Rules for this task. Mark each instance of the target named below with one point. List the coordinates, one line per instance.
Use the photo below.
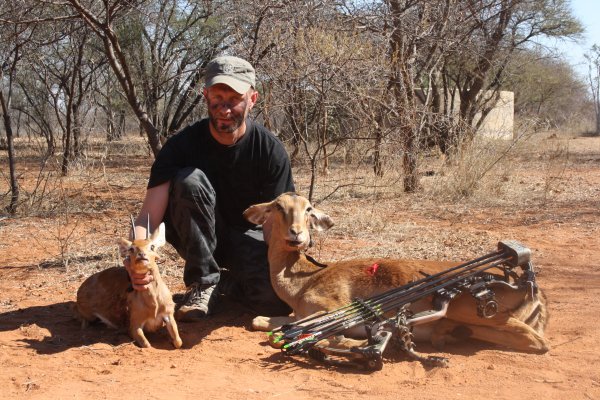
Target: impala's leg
(173, 331)
(340, 342)
(136, 332)
(447, 331)
(266, 324)
(513, 334)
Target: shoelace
(199, 295)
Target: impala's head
(142, 252)
(290, 216)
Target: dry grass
(73, 222)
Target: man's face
(227, 109)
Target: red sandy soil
(45, 355)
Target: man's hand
(139, 282)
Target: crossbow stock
(303, 336)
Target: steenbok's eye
(151, 247)
(309, 209)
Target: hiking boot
(198, 302)
(228, 286)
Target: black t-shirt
(254, 170)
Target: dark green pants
(215, 253)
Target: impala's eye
(152, 247)
(131, 249)
(309, 209)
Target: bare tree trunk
(377, 156)
(14, 184)
(593, 58)
(77, 146)
(120, 125)
(110, 128)
(68, 131)
(110, 123)
(297, 126)
(66, 159)
(120, 67)
(402, 84)
(409, 160)
(295, 149)
(115, 56)
(5, 104)
(266, 109)
(324, 141)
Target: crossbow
(303, 336)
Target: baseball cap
(232, 71)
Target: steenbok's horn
(132, 226)
(148, 227)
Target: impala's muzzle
(294, 243)
(298, 240)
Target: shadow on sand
(52, 328)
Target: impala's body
(308, 288)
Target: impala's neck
(289, 270)
(154, 293)
(151, 268)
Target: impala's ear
(320, 221)
(258, 213)
(158, 236)
(124, 246)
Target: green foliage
(546, 88)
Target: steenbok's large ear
(124, 246)
(320, 221)
(158, 236)
(258, 213)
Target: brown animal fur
(307, 288)
(105, 294)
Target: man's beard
(233, 123)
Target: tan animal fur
(307, 288)
(107, 295)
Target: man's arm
(155, 204)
